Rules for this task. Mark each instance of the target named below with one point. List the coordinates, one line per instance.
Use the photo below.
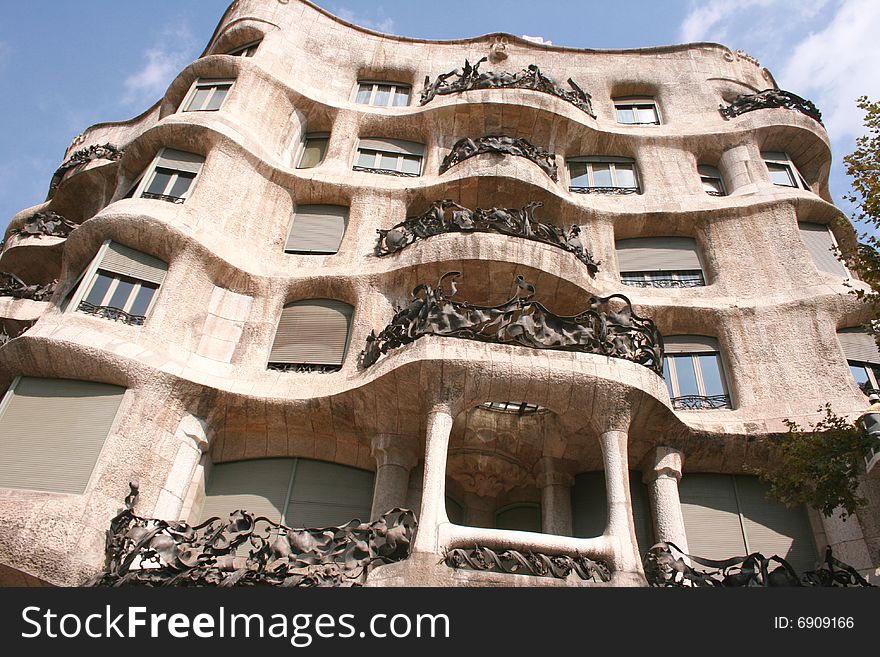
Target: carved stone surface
(768, 99)
(608, 325)
(12, 286)
(665, 566)
(502, 145)
(153, 552)
(93, 152)
(469, 77)
(46, 223)
(449, 217)
(530, 563)
(487, 475)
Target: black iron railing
(386, 172)
(604, 190)
(163, 197)
(700, 402)
(109, 312)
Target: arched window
(170, 177)
(312, 335)
(694, 373)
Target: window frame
(198, 83)
(701, 401)
(302, 209)
(146, 179)
(612, 162)
(247, 50)
(872, 371)
(372, 146)
(782, 160)
(675, 273)
(637, 102)
(707, 172)
(374, 87)
(308, 368)
(305, 145)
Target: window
(520, 408)
(822, 247)
(298, 493)
(120, 284)
(637, 111)
(314, 149)
(713, 185)
(390, 156)
(247, 50)
(524, 517)
(169, 178)
(206, 95)
(603, 175)
(312, 336)
(782, 170)
(732, 516)
(317, 229)
(863, 358)
(383, 94)
(53, 432)
(659, 262)
(694, 373)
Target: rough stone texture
(202, 351)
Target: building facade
(333, 272)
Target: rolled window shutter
(817, 238)
(317, 229)
(657, 254)
(313, 332)
(859, 345)
(53, 431)
(773, 529)
(120, 259)
(180, 160)
(523, 517)
(392, 146)
(258, 487)
(328, 495)
(589, 506)
(711, 516)
(689, 344)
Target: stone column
(620, 518)
(192, 434)
(662, 479)
(555, 485)
(480, 510)
(395, 457)
(433, 510)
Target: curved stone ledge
(35, 258)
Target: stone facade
(199, 393)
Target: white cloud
(384, 25)
(175, 48)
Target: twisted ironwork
(152, 552)
(46, 223)
(664, 282)
(163, 197)
(604, 190)
(466, 148)
(449, 217)
(608, 326)
(469, 77)
(768, 99)
(12, 286)
(6, 336)
(303, 368)
(385, 172)
(700, 402)
(93, 152)
(109, 312)
(528, 563)
(666, 566)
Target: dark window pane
(218, 97)
(578, 172)
(198, 99)
(142, 299)
(780, 175)
(160, 181)
(313, 153)
(181, 185)
(121, 294)
(99, 289)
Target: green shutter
(690, 344)
(317, 229)
(313, 332)
(180, 161)
(711, 516)
(328, 495)
(859, 345)
(258, 487)
(121, 259)
(52, 432)
(657, 254)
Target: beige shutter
(859, 345)
(120, 259)
(522, 517)
(52, 432)
(328, 495)
(773, 529)
(180, 160)
(819, 242)
(711, 516)
(313, 332)
(589, 506)
(392, 146)
(258, 487)
(317, 229)
(689, 344)
(657, 254)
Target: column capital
(552, 472)
(389, 449)
(664, 462)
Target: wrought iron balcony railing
(109, 312)
(385, 172)
(604, 190)
(163, 197)
(700, 402)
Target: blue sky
(67, 65)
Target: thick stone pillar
(395, 457)
(620, 518)
(662, 477)
(192, 434)
(433, 509)
(555, 485)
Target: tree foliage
(819, 466)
